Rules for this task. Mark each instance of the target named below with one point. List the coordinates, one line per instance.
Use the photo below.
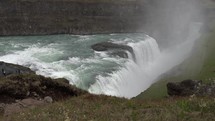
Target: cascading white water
(150, 63)
(132, 79)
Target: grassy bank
(104, 108)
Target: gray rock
(104, 46)
(8, 69)
(190, 87)
(48, 99)
(115, 49)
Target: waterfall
(71, 57)
(134, 77)
(150, 63)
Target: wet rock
(114, 49)
(104, 46)
(8, 69)
(121, 54)
(190, 87)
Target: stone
(184, 88)
(114, 49)
(190, 87)
(48, 99)
(104, 46)
(8, 69)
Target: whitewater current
(71, 57)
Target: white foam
(130, 80)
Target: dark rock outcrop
(30, 85)
(104, 46)
(21, 88)
(114, 49)
(8, 69)
(42, 17)
(190, 87)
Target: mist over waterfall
(177, 30)
(150, 63)
(134, 77)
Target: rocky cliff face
(37, 17)
(164, 20)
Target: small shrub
(185, 105)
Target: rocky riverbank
(26, 90)
(22, 88)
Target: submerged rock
(115, 49)
(104, 46)
(121, 54)
(190, 87)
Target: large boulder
(114, 49)
(190, 87)
(104, 46)
(184, 88)
(8, 69)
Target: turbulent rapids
(70, 57)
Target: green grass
(104, 108)
(208, 71)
